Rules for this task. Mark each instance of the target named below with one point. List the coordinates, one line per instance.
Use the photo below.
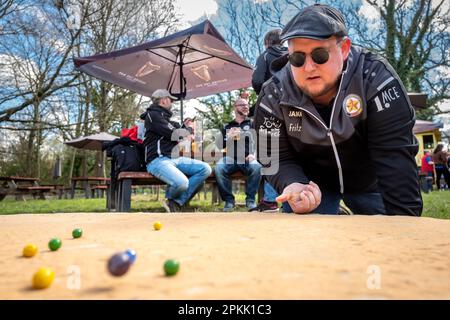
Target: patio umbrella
(92, 142)
(191, 63)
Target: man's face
(165, 102)
(319, 81)
(241, 108)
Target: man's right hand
(232, 132)
(303, 198)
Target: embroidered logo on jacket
(295, 113)
(295, 127)
(270, 123)
(353, 105)
(271, 127)
(388, 96)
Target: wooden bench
(98, 191)
(87, 183)
(119, 195)
(58, 189)
(21, 186)
(35, 191)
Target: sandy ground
(231, 256)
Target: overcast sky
(192, 10)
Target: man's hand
(303, 198)
(233, 132)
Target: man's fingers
(316, 192)
(283, 197)
(300, 204)
(311, 200)
(314, 185)
(305, 197)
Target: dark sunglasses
(319, 56)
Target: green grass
(139, 203)
(11, 206)
(436, 205)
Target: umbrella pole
(181, 110)
(182, 87)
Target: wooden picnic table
(58, 189)
(20, 186)
(89, 185)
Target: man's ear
(345, 47)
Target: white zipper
(338, 162)
(330, 134)
(335, 99)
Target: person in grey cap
(343, 121)
(184, 176)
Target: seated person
(240, 144)
(184, 176)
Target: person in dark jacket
(261, 74)
(274, 50)
(184, 176)
(239, 141)
(343, 123)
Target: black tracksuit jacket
(368, 146)
(262, 71)
(161, 134)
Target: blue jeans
(184, 176)
(270, 194)
(224, 168)
(360, 203)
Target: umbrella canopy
(191, 63)
(92, 142)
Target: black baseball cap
(317, 22)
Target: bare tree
(243, 27)
(40, 91)
(117, 24)
(35, 61)
(34, 67)
(8, 7)
(414, 36)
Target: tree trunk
(34, 141)
(30, 153)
